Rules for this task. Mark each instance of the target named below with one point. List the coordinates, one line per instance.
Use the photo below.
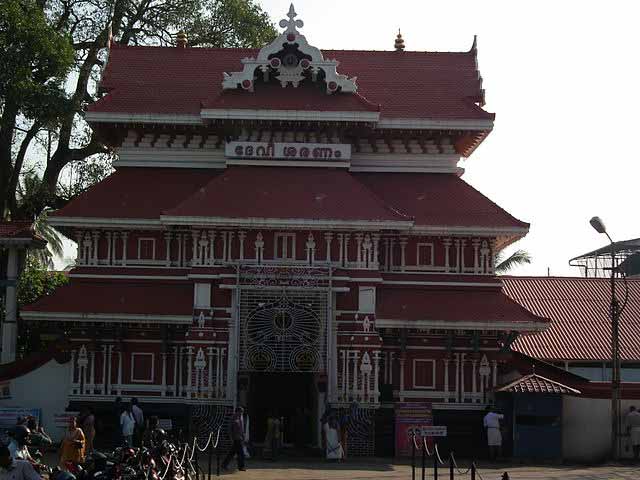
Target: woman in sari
(72, 447)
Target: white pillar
(92, 379)
(462, 360)
(354, 388)
(403, 251)
(457, 376)
(103, 385)
(124, 236)
(359, 250)
(447, 244)
(346, 249)
(108, 236)
(10, 327)
(376, 246)
(96, 235)
(179, 238)
(327, 238)
(341, 248)
(195, 258)
(167, 241)
(229, 248)
(210, 379)
(189, 371)
(376, 375)
(495, 372)
(241, 236)
(212, 251)
(392, 242)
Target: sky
(562, 78)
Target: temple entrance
(293, 397)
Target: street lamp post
(599, 226)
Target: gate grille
(283, 330)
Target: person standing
(236, 432)
(72, 446)
(333, 445)
(272, 440)
(494, 436)
(633, 428)
(127, 426)
(138, 416)
(88, 426)
(18, 444)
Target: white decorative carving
(366, 324)
(289, 69)
(201, 320)
(83, 359)
(200, 361)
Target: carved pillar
(195, 259)
(447, 244)
(212, 251)
(346, 249)
(179, 354)
(73, 367)
(92, 378)
(476, 258)
(376, 375)
(403, 250)
(359, 250)
(492, 257)
(456, 244)
(225, 246)
(457, 387)
(327, 238)
(462, 361)
(103, 385)
(354, 388)
(124, 236)
(96, 235)
(494, 364)
(463, 243)
(474, 387)
(119, 371)
(167, 242)
(259, 246)
(229, 248)
(189, 371)
(341, 247)
(241, 236)
(376, 246)
(210, 379)
(184, 250)
(387, 253)
(176, 355)
(114, 242)
(108, 236)
(80, 257)
(311, 249)
(392, 242)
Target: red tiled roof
(112, 297)
(580, 326)
(169, 80)
(438, 199)
(137, 193)
(534, 383)
(286, 192)
(476, 305)
(19, 230)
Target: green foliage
(36, 280)
(34, 60)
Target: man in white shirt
(11, 469)
(18, 444)
(494, 437)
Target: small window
(367, 300)
(142, 367)
(424, 255)
(146, 249)
(285, 246)
(424, 374)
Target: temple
(288, 228)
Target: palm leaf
(519, 257)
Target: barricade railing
(422, 446)
(187, 457)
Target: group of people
(131, 422)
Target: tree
(519, 257)
(87, 26)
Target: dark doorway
(293, 398)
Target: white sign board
(433, 431)
(288, 151)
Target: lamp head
(598, 225)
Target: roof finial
(181, 39)
(474, 45)
(399, 45)
(291, 24)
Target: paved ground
(362, 470)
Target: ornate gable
(290, 60)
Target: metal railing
(187, 457)
(437, 462)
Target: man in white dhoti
(494, 437)
(633, 428)
(332, 438)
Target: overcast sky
(562, 78)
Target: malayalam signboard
(415, 417)
(288, 151)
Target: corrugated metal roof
(534, 383)
(580, 322)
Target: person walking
(491, 423)
(127, 426)
(236, 432)
(138, 416)
(633, 428)
(72, 446)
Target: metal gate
(283, 325)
